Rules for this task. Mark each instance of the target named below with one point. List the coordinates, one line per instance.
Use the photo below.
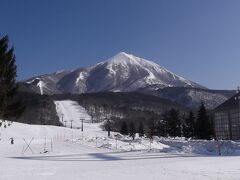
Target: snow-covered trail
(70, 111)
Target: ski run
(49, 152)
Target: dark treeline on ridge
(171, 123)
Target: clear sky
(197, 39)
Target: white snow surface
(29, 82)
(152, 68)
(41, 85)
(91, 155)
(70, 110)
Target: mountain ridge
(120, 73)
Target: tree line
(171, 124)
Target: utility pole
(96, 141)
(82, 123)
(71, 123)
(51, 145)
(151, 141)
(45, 144)
(108, 127)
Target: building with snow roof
(227, 119)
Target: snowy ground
(90, 155)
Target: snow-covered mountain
(46, 84)
(121, 73)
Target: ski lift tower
(62, 116)
(71, 121)
(82, 119)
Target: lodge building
(227, 119)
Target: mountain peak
(126, 59)
(121, 56)
(122, 72)
(122, 53)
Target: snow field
(91, 155)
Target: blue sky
(197, 39)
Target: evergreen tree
(141, 129)
(189, 126)
(124, 128)
(151, 128)
(9, 106)
(108, 127)
(173, 123)
(132, 130)
(211, 128)
(161, 128)
(203, 125)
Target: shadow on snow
(110, 156)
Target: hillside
(191, 97)
(130, 105)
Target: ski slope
(70, 110)
(89, 155)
